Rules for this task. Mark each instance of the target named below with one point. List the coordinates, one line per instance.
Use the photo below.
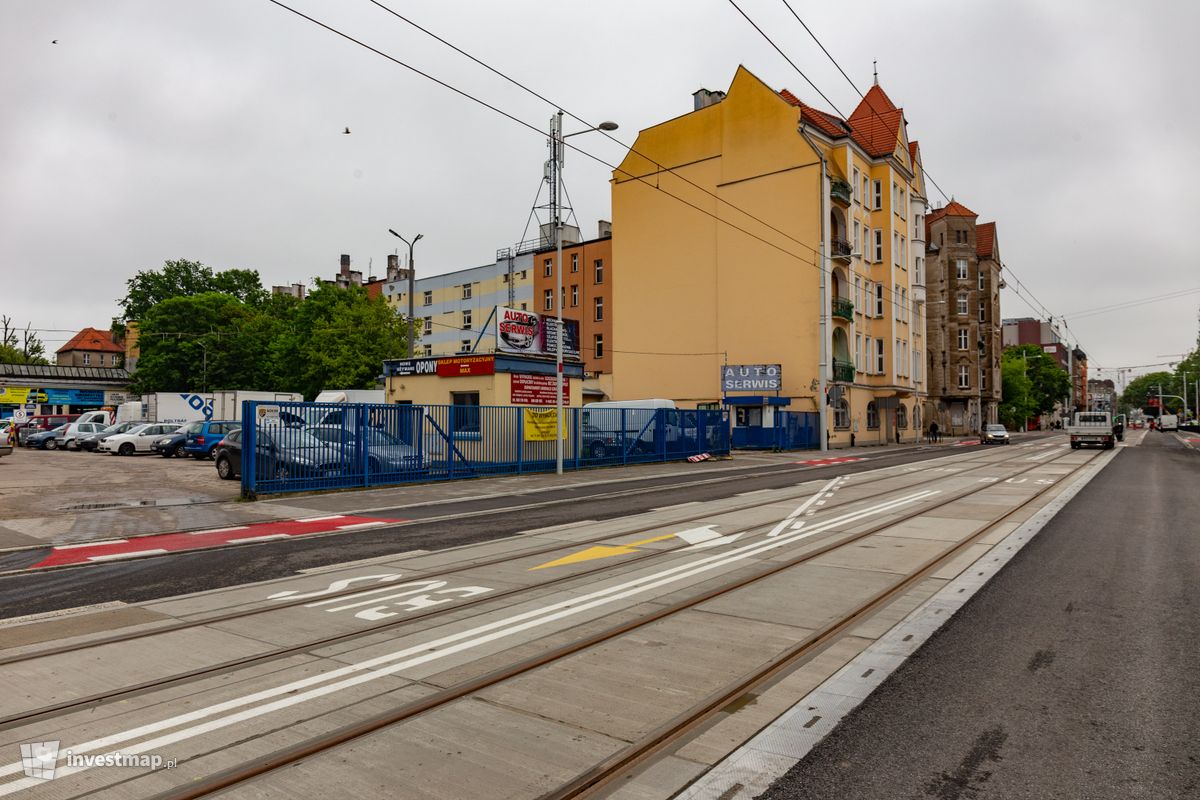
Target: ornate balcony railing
(843, 308)
(843, 371)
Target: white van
(632, 419)
(103, 417)
(1168, 422)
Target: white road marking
(375, 524)
(321, 519)
(782, 526)
(134, 554)
(263, 538)
(430, 651)
(677, 505)
(219, 530)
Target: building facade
(587, 282)
(964, 323)
(722, 259)
(90, 347)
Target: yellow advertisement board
(16, 394)
(539, 424)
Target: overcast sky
(164, 129)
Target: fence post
(578, 430)
(520, 439)
(249, 419)
(364, 446)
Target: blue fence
(291, 447)
(793, 430)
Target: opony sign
(751, 378)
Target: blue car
(202, 437)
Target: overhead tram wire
(576, 148)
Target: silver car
(995, 434)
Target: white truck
(184, 407)
(1168, 422)
(350, 396)
(1089, 428)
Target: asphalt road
(1074, 674)
(179, 573)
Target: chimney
(604, 229)
(345, 264)
(393, 267)
(703, 98)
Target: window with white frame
(574, 262)
(963, 335)
(841, 414)
(427, 299)
(464, 346)
(903, 203)
(574, 295)
(548, 297)
(916, 365)
(982, 378)
(960, 268)
(872, 416)
(857, 240)
(919, 270)
(87, 359)
(548, 268)
(896, 248)
(598, 345)
(865, 194)
(858, 360)
(904, 304)
(428, 350)
(598, 267)
(854, 183)
(879, 299)
(877, 194)
(964, 376)
(899, 360)
(599, 309)
(962, 304)
(982, 310)
(428, 325)
(903, 253)
(858, 294)
(879, 356)
(466, 291)
(877, 255)
(466, 320)
(895, 198)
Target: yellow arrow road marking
(601, 551)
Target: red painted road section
(966, 442)
(114, 550)
(825, 462)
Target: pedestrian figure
(933, 432)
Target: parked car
(73, 432)
(7, 436)
(385, 451)
(170, 445)
(203, 436)
(41, 423)
(44, 440)
(995, 434)
(281, 453)
(90, 443)
(136, 440)
(597, 443)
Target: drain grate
(169, 501)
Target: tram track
(630, 757)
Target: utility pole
(823, 300)
(412, 288)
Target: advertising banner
(539, 424)
(459, 366)
(15, 394)
(751, 378)
(414, 366)
(537, 390)
(533, 334)
(75, 396)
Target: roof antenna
(875, 69)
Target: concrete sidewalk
(19, 532)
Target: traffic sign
(19, 415)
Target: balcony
(843, 308)
(839, 250)
(840, 191)
(843, 371)
(917, 291)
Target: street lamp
(412, 286)
(557, 161)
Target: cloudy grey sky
(163, 129)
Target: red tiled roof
(954, 209)
(876, 122)
(829, 124)
(985, 239)
(913, 150)
(92, 340)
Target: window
(428, 350)
(87, 359)
(872, 416)
(879, 356)
(878, 253)
(899, 361)
(982, 308)
(858, 351)
(549, 300)
(464, 345)
(962, 304)
(564, 296)
(919, 271)
(574, 295)
(903, 253)
(524, 274)
(857, 229)
(524, 306)
(960, 268)
(841, 414)
(574, 262)
(858, 294)
(879, 299)
(981, 280)
(964, 376)
(982, 378)
(904, 305)
(598, 266)
(854, 184)
(548, 268)
(466, 320)
(427, 299)
(599, 309)
(901, 417)
(598, 345)
(916, 365)
(428, 329)
(962, 338)
(896, 248)
(903, 210)
(504, 278)
(466, 291)
(877, 190)
(464, 412)
(895, 198)
(864, 189)
(867, 361)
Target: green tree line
(200, 330)
(1032, 383)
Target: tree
(185, 278)
(1139, 391)
(1016, 404)
(25, 348)
(198, 342)
(1049, 383)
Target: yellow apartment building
(725, 218)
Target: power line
(1131, 303)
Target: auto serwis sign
(751, 378)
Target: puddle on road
(169, 501)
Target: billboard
(751, 378)
(533, 334)
(537, 390)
